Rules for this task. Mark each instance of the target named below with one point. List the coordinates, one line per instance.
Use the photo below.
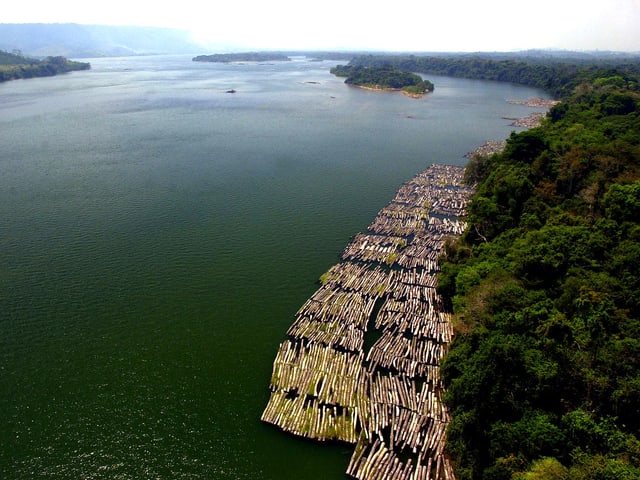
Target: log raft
(387, 401)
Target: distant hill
(83, 41)
(243, 57)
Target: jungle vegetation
(385, 76)
(14, 66)
(543, 377)
(559, 76)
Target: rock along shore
(530, 121)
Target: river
(157, 236)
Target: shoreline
(535, 102)
(486, 149)
(530, 121)
(389, 89)
(534, 119)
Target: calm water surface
(157, 236)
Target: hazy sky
(425, 25)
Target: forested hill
(543, 378)
(557, 75)
(14, 66)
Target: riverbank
(487, 148)
(389, 89)
(535, 102)
(16, 67)
(530, 121)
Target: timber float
(385, 399)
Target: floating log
(324, 385)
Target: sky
(409, 25)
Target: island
(384, 77)
(243, 57)
(15, 66)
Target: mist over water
(157, 236)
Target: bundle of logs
(387, 399)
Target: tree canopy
(543, 377)
(14, 66)
(383, 77)
(557, 76)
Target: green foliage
(419, 88)
(14, 66)
(542, 378)
(599, 467)
(324, 278)
(622, 202)
(383, 77)
(526, 146)
(558, 77)
(546, 468)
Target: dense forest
(14, 66)
(384, 76)
(543, 377)
(559, 76)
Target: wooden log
(323, 386)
